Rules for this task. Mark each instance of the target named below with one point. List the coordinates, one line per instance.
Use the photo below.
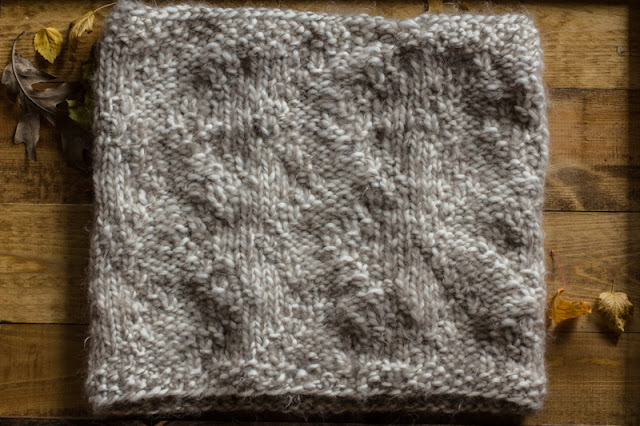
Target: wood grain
(41, 370)
(592, 379)
(45, 247)
(580, 41)
(595, 160)
(593, 72)
(49, 179)
(594, 166)
(586, 244)
(43, 256)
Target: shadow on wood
(630, 404)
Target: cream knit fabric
(314, 212)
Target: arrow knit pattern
(310, 212)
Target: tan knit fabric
(314, 212)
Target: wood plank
(41, 370)
(65, 11)
(45, 249)
(581, 39)
(591, 379)
(49, 179)
(586, 244)
(43, 257)
(594, 165)
(595, 160)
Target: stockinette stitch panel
(314, 213)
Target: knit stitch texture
(314, 213)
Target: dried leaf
(615, 308)
(48, 42)
(19, 77)
(28, 128)
(80, 113)
(78, 28)
(560, 309)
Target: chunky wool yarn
(315, 213)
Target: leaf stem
(564, 285)
(35, 22)
(613, 280)
(106, 5)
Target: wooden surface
(592, 215)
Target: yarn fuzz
(310, 212)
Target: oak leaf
(560, 309)
(83, 24)
(615, 308)
(18, 77)
(48, 42)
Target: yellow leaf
(48, 42)
(616, 309)
(560, 309)
(79, 27)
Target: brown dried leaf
(19, 76)
(615, 308)
(78, 28)
(560, 309)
